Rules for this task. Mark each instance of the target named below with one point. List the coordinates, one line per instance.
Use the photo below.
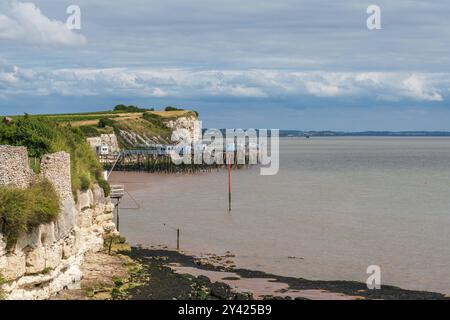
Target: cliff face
(49, 258)
(142, 132)
(190, 123)
(109, 140)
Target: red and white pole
(229, 183)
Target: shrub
(89, 131)
(2, 282)
(105, 186)
(105, 122)
(169, 108)
(131, 108)
(23, 209)
(85, 182)
(156, 120)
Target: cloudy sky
(287, 64)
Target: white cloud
(23, 21)
(417, 87)
(247, 84)
(322, 89)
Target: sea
(337, 206)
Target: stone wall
(14, 168)
(56, 168)
(48, 259)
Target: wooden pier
(154, 163)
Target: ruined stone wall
(14, 168)
(48, 259)
(56, 168)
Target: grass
(2, 292)
(173, 114)
(23, 209)
(145, 128)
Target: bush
(89, 131)
(169, 108)
(85, 182)
(23, 209)
(131, 108)
(105, 186)
(2, 282)
(105, 122)
(156, 120)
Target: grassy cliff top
(93, 118)
(146, 124)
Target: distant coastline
(298, 133)
(329, 133)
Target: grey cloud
(290, 34)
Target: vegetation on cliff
(2, 282)
(42, 135)
(126, 121)
(23, 209)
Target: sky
(288, 64)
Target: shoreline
(174, 275)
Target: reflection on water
(337, 206)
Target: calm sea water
(338, 205)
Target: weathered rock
(69, 247)
(203, 280)
(243, 296)
(35, 260)
(86, 219)
(104, 218)
(47, 234)
(53, 256)
(67, 219)
(15, 266)
(85, 200)
(190, 124)
(98, 195)
(30, 239)
(220, 290)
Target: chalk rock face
(67, 219)
(190, 123)
(53, 255)
(48, 258)
(15, 266)
(35, 260)
(109, 140)
(85, 200)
